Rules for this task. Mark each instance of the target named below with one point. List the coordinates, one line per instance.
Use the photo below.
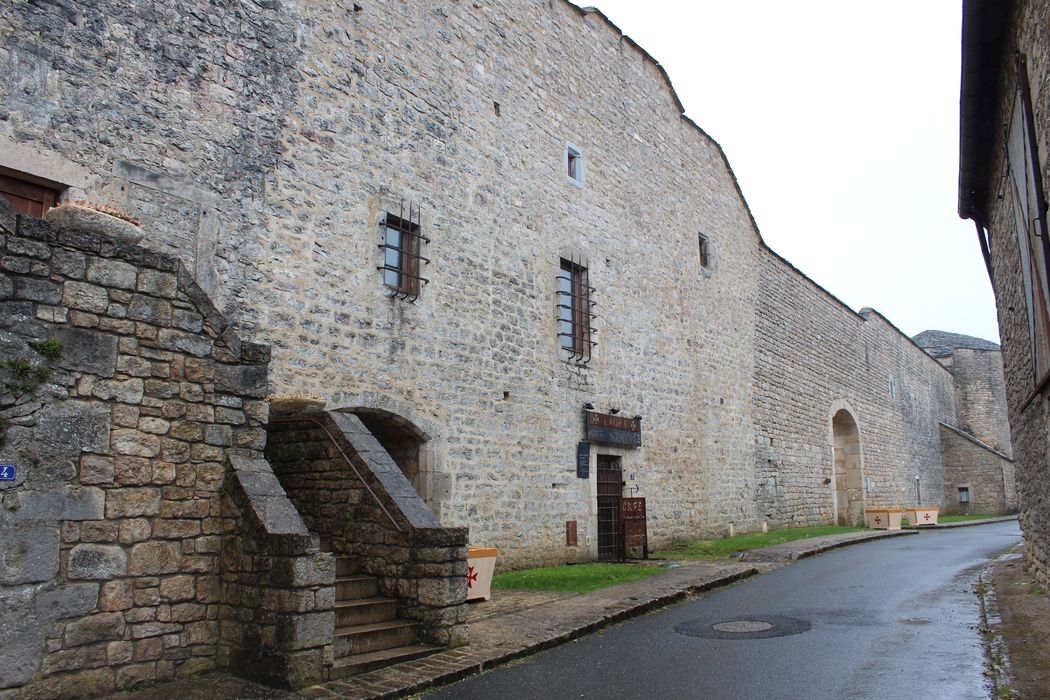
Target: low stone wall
(388, 532)
(985, 473)
(278, 589)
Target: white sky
(840, 120)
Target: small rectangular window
(705, 251)
(964, 494)
(574, 311)
(573, 163)
(401, 242)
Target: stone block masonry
(265, 144)
(351, 492)
(984, 473)
(816, 357)
(997, 35)
(110, 537)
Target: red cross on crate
(878, 519)
(925, 516)
(472, 576)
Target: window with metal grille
(964, 494)
(401, 242)
(575, 312)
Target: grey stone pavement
(515, 624)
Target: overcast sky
(840, 119)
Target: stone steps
(375, 636)
(355, 587)
(364, 611)
(368, 633)
(362, 663)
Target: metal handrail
(346, 459)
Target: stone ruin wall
(814, 356)
(111, 535)
(1028, 419)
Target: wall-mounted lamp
(589, 406)
(614, 411)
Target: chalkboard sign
(583, 460)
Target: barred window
(575, 312)
(401, 242)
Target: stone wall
(814, 357)
(278, 614)
(264, 142)
(980, 394)
(978, 468)
(111, 534)
(464, 110)
(1028, 414)
(350, 492)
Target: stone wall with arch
(431, 481)
(815, 357)
(847, 466)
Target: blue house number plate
(8, 472)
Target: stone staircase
(368, 633)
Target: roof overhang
(985, 26)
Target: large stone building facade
(485, 234)
(1004, 147)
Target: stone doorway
(847, 471)
(406, 444)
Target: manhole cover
(738, 626)
(751, 627)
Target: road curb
(964, 523)
(793, 551)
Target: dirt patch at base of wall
(1024, 625)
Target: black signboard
(614, 430)
(583, 460)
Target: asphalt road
(893, 618)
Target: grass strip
(727, 546)
(574, 578)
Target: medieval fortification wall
(263, 142)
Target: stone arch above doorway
(413, 442)
(847, 466)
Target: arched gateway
(847, 469)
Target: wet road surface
(890, 618)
